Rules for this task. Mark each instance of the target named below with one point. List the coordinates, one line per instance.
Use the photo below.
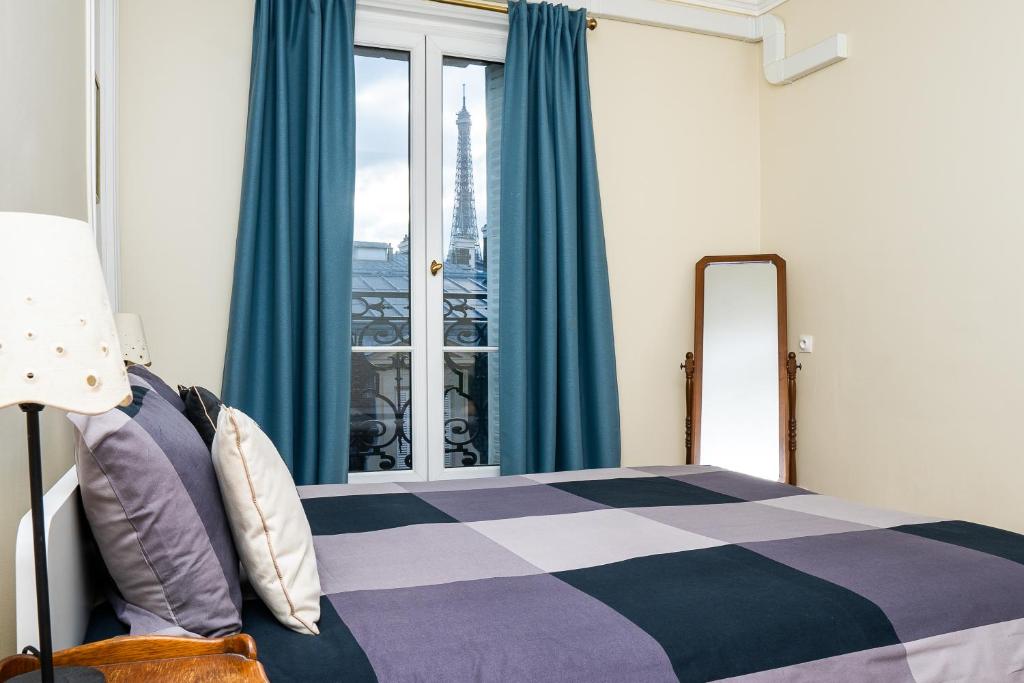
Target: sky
(382, 144)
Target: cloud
(382, 120)
(382, 202)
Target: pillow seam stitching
(205, 411)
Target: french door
(425, 286)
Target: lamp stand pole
(69, 674)
(35, 480)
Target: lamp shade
(132, 338)
(58, 343)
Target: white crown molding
(753, 8)
(779, 69)
(675, 15)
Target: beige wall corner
(43, 152)
(677, 145)
(891, 184)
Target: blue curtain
(558, 394)
(288, 353)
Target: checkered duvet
(647, 574)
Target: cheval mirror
(741, 377)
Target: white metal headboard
(71, 587)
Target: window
(425, 345)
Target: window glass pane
(467, 429)
(380, 427)
(380, 436)
(380, 253)
(473, 94)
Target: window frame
(428, 32)
(440, 46)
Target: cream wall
(668, 198)
(42, 116)
(892, 185)
(42, 170)
(677, 145)
(182, 105)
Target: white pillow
(267, 521)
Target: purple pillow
(152, 499)
(145, 377)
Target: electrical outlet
(806, 343)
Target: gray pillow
(151, 497)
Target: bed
(687, 573)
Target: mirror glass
(740, 425)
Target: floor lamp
(59, 348)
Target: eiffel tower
(464, 244)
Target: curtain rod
(492, 7)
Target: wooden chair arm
(128, 649)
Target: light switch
(806, 343)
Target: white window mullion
(435, 250)
(418, 248)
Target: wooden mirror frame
(786, 361)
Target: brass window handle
(435, 267)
